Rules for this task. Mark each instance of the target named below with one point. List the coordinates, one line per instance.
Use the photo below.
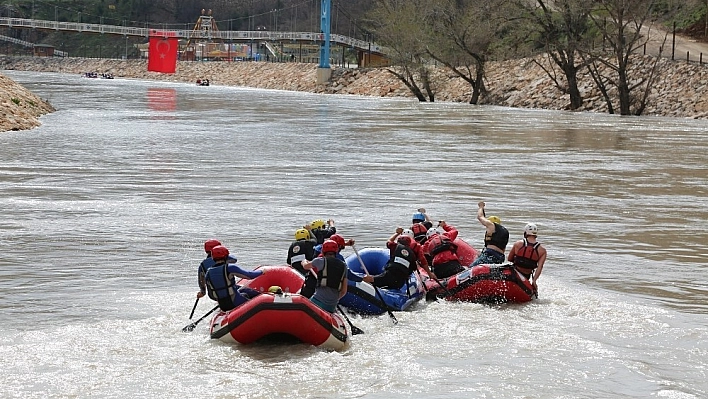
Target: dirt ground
(685, 46)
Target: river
(105, 208)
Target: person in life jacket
(441, 248)
(420, 232)
(340, 241)
(207, 263)
(496, 237)
(421, 217)
(331, 277)
(528, 255)
(421, 225)
(321, 230)
(303, 248)
(401, 263)
(416, 247)
(221, 281)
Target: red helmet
(219, 252)
(338, 239)
(405, 240)
(210, 244)
(330, 246)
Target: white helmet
(408, 232)
(530, 229)
(433, 231)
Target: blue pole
(325, 29)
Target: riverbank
(20, 109)
(678, 92)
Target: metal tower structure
(324, 72)
(325, 25)
(202, 33)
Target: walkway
(233, 36)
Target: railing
(188, 34)
(271, 49)
(57, 53)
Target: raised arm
(482, 217)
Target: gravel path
(683, 45)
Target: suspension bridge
(193, 34)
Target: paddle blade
(189, 328)
(356, 330)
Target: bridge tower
(323, 71)
(201, 43)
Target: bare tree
(463, 36)
(624, 26)
(561, 28)
(398, 26)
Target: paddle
(395, 321)
(425, 289)
(190, 328)
(194, 308)
(420, 276)
(355, 330)
(447, 292)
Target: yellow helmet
(302, 234)
(275, 289)
(317, 224)
(494, 219)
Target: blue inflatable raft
(364, 298)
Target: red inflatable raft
(483, 284)
(279, 315)
(465, 252)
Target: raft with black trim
(285, 314)
(363, 297)
(492, 284)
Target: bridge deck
(243, 36)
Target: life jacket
(205, 265)
(219, 287)
(527, 256)
(419, 232)
(209, 262)
(440, 243)
(499, 238)
(403, 257)
(332, 273)
(324, 233)
(301, 250)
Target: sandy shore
(679, 91)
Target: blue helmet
(418, 217)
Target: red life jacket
(419, 231)
(527, 256)
(440, 243)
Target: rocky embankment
(679, 90)
(20, 109)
